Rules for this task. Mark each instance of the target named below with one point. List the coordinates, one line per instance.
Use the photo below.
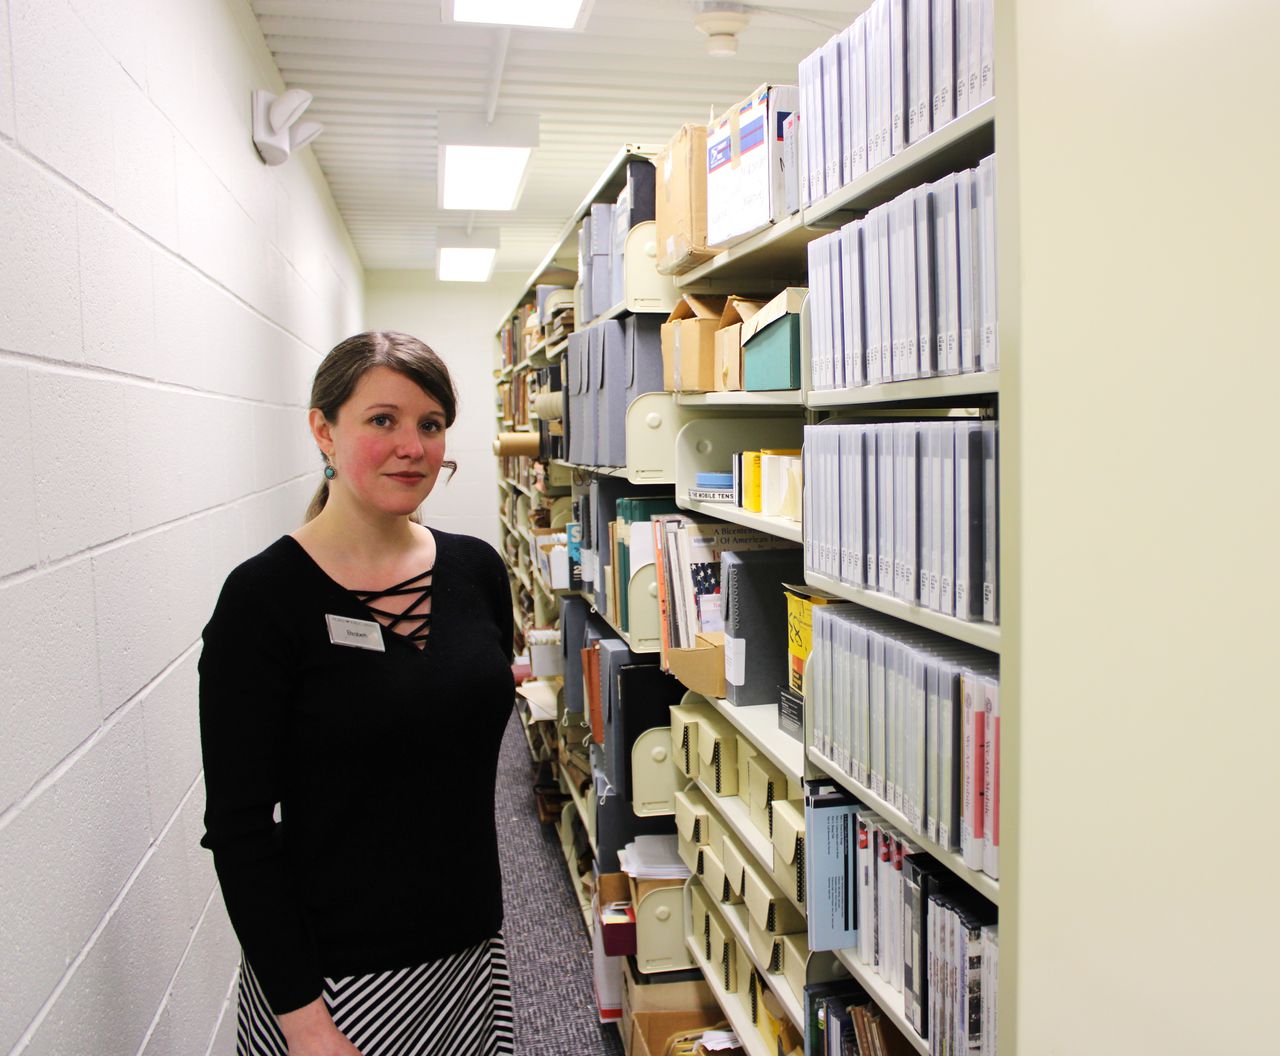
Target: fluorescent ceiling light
(463, 257)
(483, 164)
(483, 177)
(543, 14)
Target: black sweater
(383, 765)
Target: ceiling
(380, 70)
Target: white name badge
(359, 634)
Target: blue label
(782, 120)
(752, 134)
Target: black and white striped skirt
(456, 1006)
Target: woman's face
(387, 443)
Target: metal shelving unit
(983, 635)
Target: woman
(357, 673)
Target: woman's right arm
(247, 679)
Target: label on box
(735, 661)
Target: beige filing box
(735, 859)
(701, 668)
(765, 783)
(684, 732)
(788, 846)
(713, 875)
(699, 912)
(746, 751)
(767, 905)
(696, 827)
(718, 755)
(724, 955)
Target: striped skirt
(456, 1006)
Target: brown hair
(348, 361)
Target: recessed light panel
(483, 178)
(457, 264)
(544, 14)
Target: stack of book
(769, 482)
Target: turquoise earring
(329, 472)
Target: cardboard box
(745, 181)
(681, 206)
(702, 667)
(647, 1033)
(800, 602)
(688, 344)
(771, 344)
(737, 310)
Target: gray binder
(755, 620)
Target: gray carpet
(547, 944)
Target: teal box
(771, 359)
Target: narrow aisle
(547, 945)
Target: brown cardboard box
(737, 310)
(688, 344)
(648, 1032)
(681, 202)
(702, 667)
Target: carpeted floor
(547, 944)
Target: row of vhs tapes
(909, 290)
(913, 717)
(908, 509)
(901, 70)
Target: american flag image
(706, 579)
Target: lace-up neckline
(414, 616)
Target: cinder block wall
(164, 299)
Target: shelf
(979, 881)
(735, 917)
(781, 398)
(737, 818)
(570, 861)
(782, 527)
(555, 351)
(889, 1000)
(959, 144)
(579, 801)
(941, 388)
(778, 253)
(735, 1007)
(618, 630)
(983, 635)
(760, 725)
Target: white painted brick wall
(164, 301)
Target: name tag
(359, 634)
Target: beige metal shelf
(889, 1000)
(979, 881)
(782, 527)
(734, 1006)
(747, 400)
(940, 388)
(759, 724)
(771, 258)
(983, 635)
(737, 818)
(964, 141)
